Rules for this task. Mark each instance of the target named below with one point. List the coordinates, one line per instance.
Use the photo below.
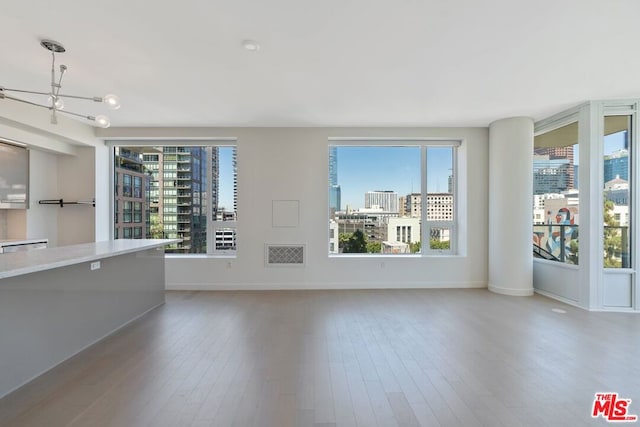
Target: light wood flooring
(343, 358)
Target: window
(556, 203)
(126, 232)
(127, 211)
(617, 191)
(388, 199)
(184, 192)
(126, 185)
(137, 212)
(137, 187)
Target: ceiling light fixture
(55, 101)
(251, 45)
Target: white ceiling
(328, 62)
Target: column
(510, 206)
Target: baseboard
(514, 292)
(559, 298)
(173, 286)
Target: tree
(356, 244)
(343, 239)
(157, 229)
(437, 244)
(415, 247)
(612, 238)
(374, 247)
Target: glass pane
(369, 188)
(556, 200)
(440, 184)
(158, 191)
(225, 178)
(225, 239)
(440, 238)
(617, 192)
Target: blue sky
(225, 198)
(612, 143)
(362, 169)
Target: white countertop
(19, 263)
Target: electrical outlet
(95, 265)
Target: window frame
(211, 225)
(456, 246)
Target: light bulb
(103, 121)
(59, 103)
(112, 101)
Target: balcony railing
(557, 242)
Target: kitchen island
(55, 302)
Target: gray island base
(56, 302)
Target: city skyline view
(389, 168)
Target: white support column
(510, 206)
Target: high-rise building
(616, 164)
(131, 213)
(413, 205)
(387, 200)
(334, 188)
(439, 206)
(178, 196)
(560, 153)
(551, 175)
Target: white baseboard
(559, 298)
(514, 292)
(173, 286)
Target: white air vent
(284, 255)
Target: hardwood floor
(343, 358)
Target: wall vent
(284, 255)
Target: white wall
(292, 164)
(42, 220)
(76, 181)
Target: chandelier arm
(77, 115)
(27, 102)
(6, 89)
(89, 98)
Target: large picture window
(617, 192)
(390, 199)
(178, 191)
(556, 201)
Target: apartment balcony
(130, 155)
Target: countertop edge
(63, 256)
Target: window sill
(200, 256)
(396, 256)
